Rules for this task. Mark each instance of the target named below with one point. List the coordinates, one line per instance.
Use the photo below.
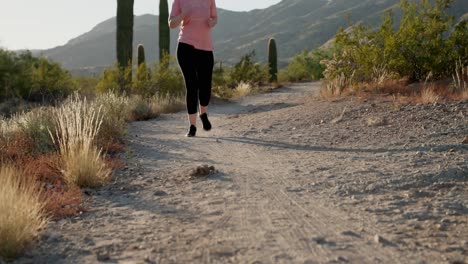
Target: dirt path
(296, 181)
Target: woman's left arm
(213, 15)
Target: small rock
(350, 233)
(160, 193)
(202, 171)
(341, 259)
(319, 240)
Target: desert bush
(36, 125)
(115, 111)
(335, 86)
(220, 75)
(78, 124)
(15, 74)
(167, 104)
(33, 79)
(305, 66)
(21, 207)
(167, 79)
(140, 109)
(110, 80)
(50, 82)
(247, 71)
(426, 41)
(142, 83)
(86, 86)
(33, 127)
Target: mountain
(296, 25)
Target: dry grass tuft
(460, 78)
(429, 96)
(464, 95)
(242, 89)
(21, 217)
(167, 104)
(335, 87)
(78, 123)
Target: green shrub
(110, 80)
(247, 71)
(140, 109)
(305, 66)
(50, 82)
(36, 125)
(167, 79)
(33, 79)
(426, 43)
(15, 74)
(142, 82)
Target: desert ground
(283, 177)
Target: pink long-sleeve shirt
(195, 30)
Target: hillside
(296, 24)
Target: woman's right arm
(178, 14)
(176, 20)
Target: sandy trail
(283, 193)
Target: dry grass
(464, 95)
(334, 87)
(116, 113)
(78, 123)
(64, 201)
(460, 78)
(21, 217)
(242, 89)
(167, 104)
(429, 96)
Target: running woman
(195, 55)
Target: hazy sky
(42, 24)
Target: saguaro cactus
(141, 54)
(164, 31)
(124, 38)
(272, 60)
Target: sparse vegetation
(228, 81)
(305, 66)
(426, 43)
(32, 79)
(22, 211)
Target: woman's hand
(212, 22)
(183, 18)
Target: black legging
(197, 68)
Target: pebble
(160, 193)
